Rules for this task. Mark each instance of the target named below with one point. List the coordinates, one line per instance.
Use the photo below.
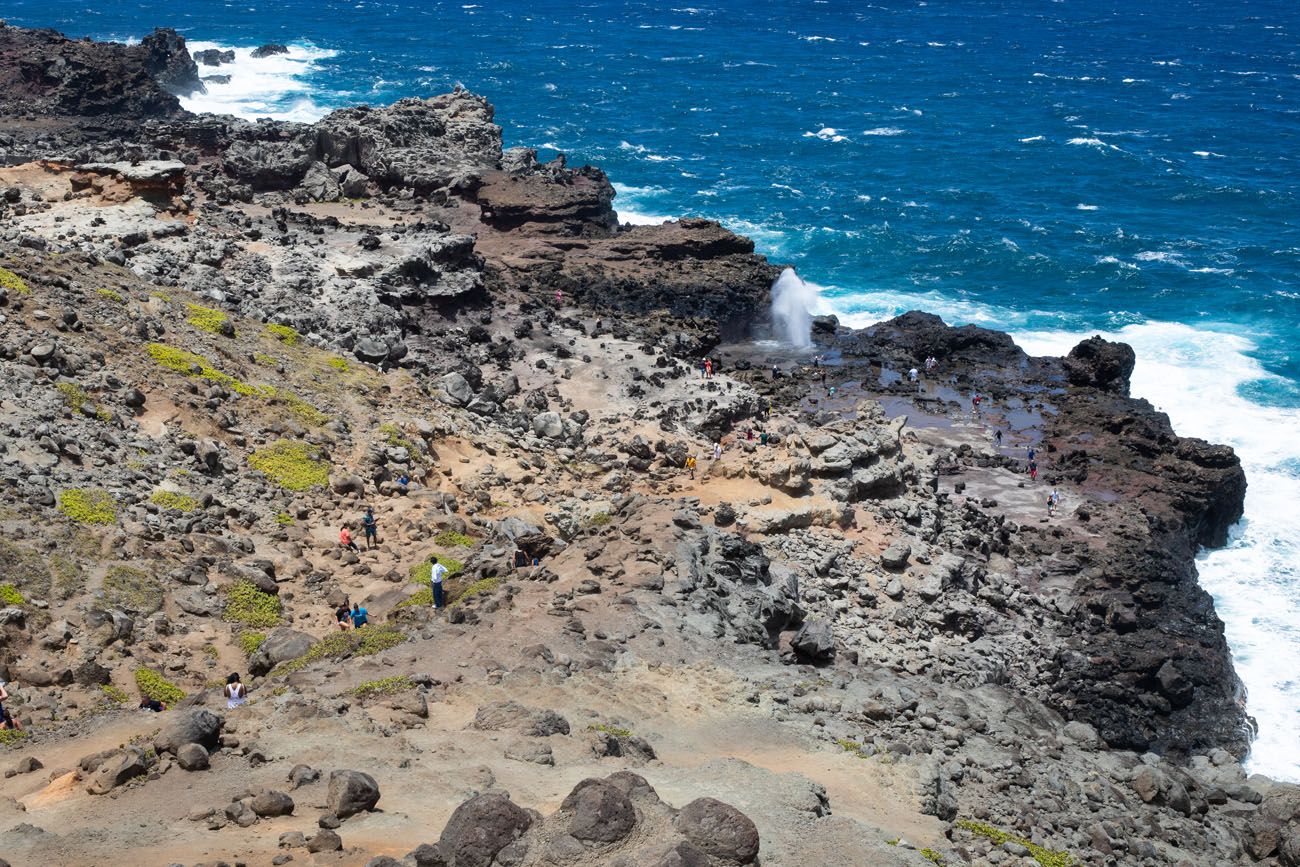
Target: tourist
(708, 369)
(1053, 502)
(4, 697)
(345, 539)
(776, 371)
(371, 527)
(762, 438)
(717, 450)
(437, 572)
(913, 374)
(1033, 471)
(975, 405)
(749, 434)
(343, 616)
(236, 694)
(704, 363)
(149, 704)
(9, 721)
(359, 616)
(1032, 452)
(690, 465)
(521, 558)
(997, 437)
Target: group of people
(708, 367)
(369, 524)
(351, 618)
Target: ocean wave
(274, 87)
(1082, 207)
(826, 133)
(1166, 257)
(885, 131)
(1032, 138)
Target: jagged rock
(719, 830)
(548, 424)
(1101, 364)
(351, 792)
(303, 775)
(169, 62)
(193, 726)
(269, 50)
(321, 184)
(192, 757)
(814, 641)
(347, 484)
(456, 390)
(480, 828)
(118, 768)
(510, 715)
(213, 57)
(894, 558)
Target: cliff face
(223, 339)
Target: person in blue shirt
(371, 526)
(359, 618)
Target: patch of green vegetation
(263, 358)
(111, 295)
(850, 746)
(133, 590)
(250, 642)
(284, 519)
(295, 466)
(161, 296)
(452, 539)
(211, 652)
(599, 519)
(478, 588)
(103, 414)
(115, 694)
(174, 500)
(299, 407)
(384, 686)
(892, 842)
(74, 395)
(616, 731)
(153, 685)
(192, 364)
(11, 595)
(252, 607)
(337, 362)
(9, 737)
(932, 856)
(283, 333)
(421, 574)
(423, 597)
(395, 436)
(206, 318)
(12, 282)
(1044, 856)
(366, 641)
(69, 579)
(88, 505)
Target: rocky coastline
(858, 636)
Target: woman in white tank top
(236, 694)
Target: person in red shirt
(345, 539)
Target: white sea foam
(1166, 257)
(884, 130)
(274, 86)
(1082, 207)
(793, 303)
(826, 133)
(1032, 138)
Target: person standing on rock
(437, 572)
(371, 527)
(708, 368)
(1033, 471)
(717, 450)
(1053, 502)
(345, 539)
(913, 374)
(704, 362)
(236, 693)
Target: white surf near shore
(1196, 377)
(275, 87)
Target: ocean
(1054, 169)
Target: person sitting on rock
(236, 694)
(345, 539)
(360, 617)
(343, 615)
(371, 527)
(8, 721)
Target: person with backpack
(371, 527)
(236, 693)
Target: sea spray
(793, 301)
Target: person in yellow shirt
(690, 465)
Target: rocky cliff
(858, 636)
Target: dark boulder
(169, 62)
(719, 830)
(351, 792)
(194, 726)
(1098, 363)
(600, 812)
(480, 828)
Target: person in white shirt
(236, 693)
(437, 572)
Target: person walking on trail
(345, 539)
(4, 697)
(717, 450)
(975, 405)
(762, 438)
(360, 616)
(913, 374)
(690, 465)
(371, 527)
(704, 363)
(437, 572)
(1053, 502)
(1033, 471)
(236, 692)
(1032, 452)
(997, 437)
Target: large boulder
(193, 726)
(814, 642)
(169, 62)
(321, 184)
(192, 757)
(719, 830)
(456, 390)
(1099, 363)
(480, 828)
(282, 645)
(270, 803)
(351, 792)
(513, 716)
(116, 769)
(600, 812)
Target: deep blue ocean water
(1051, 168)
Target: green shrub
(284, 334)
(161, 296)
(133, 590)
(478, 588)
(115, 694)
(192, 364)
(153, 685)
(298, 406)
(11, 281)
(263, 358)
(394, 436)
(452, 539)
(295, 466)
(1044, 856)
(366, 641)
(250, 642)
(384, 686)
(337, 362)
(423, 597)
(933, 856)
(206, 318)
(422, 572)
(854, 747)
(111, 295)
(174, 500)
(284, 519)
(74, 395)
(252, 607)
(88, 505)
(9, 737)
(10, 595)
(599, 519)
(616, 731)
